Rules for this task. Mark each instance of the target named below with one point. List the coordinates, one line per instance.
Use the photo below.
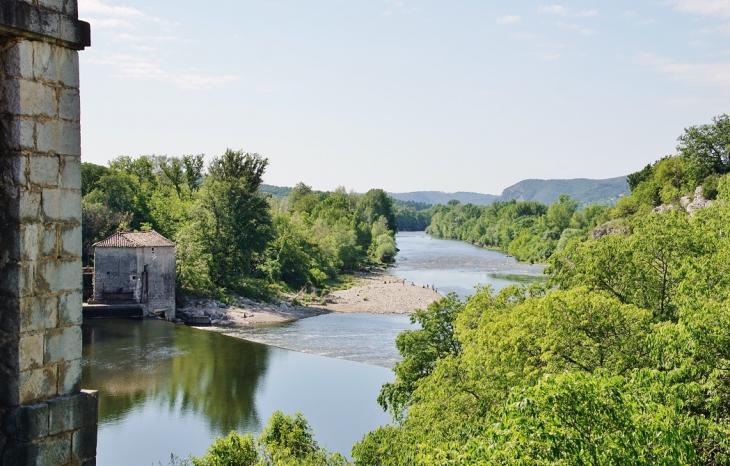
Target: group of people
(403, 281)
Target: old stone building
(136, 268)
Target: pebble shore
(374, 293)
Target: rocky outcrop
(690, 205)
(608, 229)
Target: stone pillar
(45, 418)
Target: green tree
(233, 221)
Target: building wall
(116, 274)
(161, 280)
(120, 273)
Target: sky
(404, 95)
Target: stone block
(30, 351)
(71, 8)
(9, 350)
(20, 162)
(53, 5)
(29, 206)
(38, 313)
(20, 135)
(69, 377)
(49, 24)
(19, 60)
(63, 275)
(63, 138)
(69, 309)
(10, 103)
(71, 241)
(62, 205)
(69, 105)
(37, 384)
(68, 62)
(45, 64)
(62, 344)
(50, 241)
(71, 172)
(37, 99)
(54, 451)
(9, 387)
(44, 170)
(73, 412)
(27, 422)
(29, 247)
(9, 315)
(27, 279)
(10, 279)
(84, 444)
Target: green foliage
(286, 440)
(236, 449)
(702, 158)
(529, 231)
(420, 350)
(623, 358)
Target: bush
(236, 449)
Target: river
(172, 389)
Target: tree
(376, 203)
(193, 171)
(420, 350)
(706, 149)
(233, 217)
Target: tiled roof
(137, 239)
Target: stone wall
(46, 418)
(161, 280)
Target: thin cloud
(560, 10)
(126, 37)
(510, 19)
(576, 27)
(91, 7)
(133, 67)
(717, 8)
(110, 23)
(716, 75)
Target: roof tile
(135, 239)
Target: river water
(172, 389)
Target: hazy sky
(406, 95)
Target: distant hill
(280, 192)
(438, 197)
(583, 190)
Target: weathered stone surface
(62, 344)
(61, 205)
(70, 172)
(71, 241)
(44, 171)
(40, 237)
(38, 313)
(27, 422)
(37, 384)
(69, 106)
(30, 350)
(30, 249)
(84, 443)
(72, 412)
(69, 377)
(69, 309)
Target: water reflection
(167, 388)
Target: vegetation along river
(172, 389)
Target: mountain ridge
(584, 190)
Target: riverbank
(375, 292)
